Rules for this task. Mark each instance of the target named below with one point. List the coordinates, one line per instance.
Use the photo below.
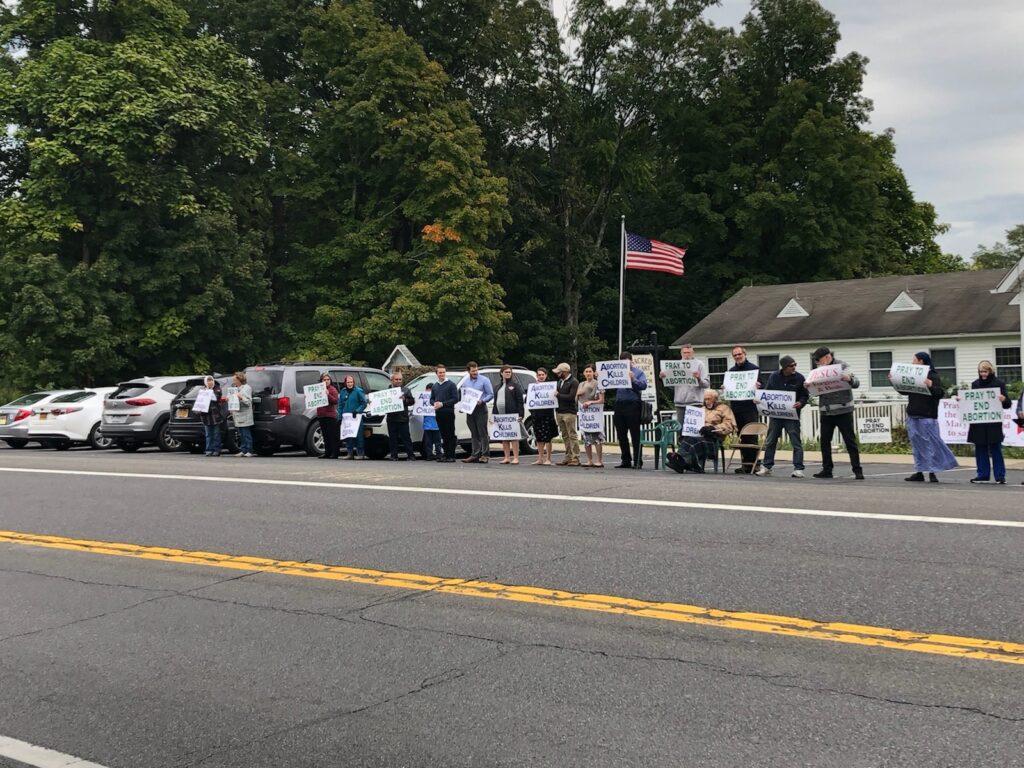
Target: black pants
(627, 427)
(446, 425)
(399, 430)
(744, 417)
(332, 435)
(844, 423)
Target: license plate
(42, 417)
(182, 413)
(117, 419)
(3, 418)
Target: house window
(879, 363)
(716, 371)
(767, 365)
(944, 363)
(1008, 363)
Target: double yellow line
(786, 626)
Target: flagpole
(622, 280)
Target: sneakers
(825, 474)
(763, 471)
(797, 473)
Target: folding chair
(754, 429)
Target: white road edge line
(40, 757)
(534, 497)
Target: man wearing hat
(786, 379)
(836, 410)
(566, 414)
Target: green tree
(127, 196)
(1001, 255)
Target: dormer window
(793, 309)
(903, 303)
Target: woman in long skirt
(931, 455)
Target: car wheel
(16, 443)
(97, 440)
(314, 440)
(127, 446)
(528, 445)
(163, 439)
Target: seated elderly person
(719, 423)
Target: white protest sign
(613, 374)
(825, 379)
(740, 385)
(683, 372)
(777, 403)
(1013, 435)
(423, 406)
(203, 399)
(874, 429)
(505, 427)
(316, 395)
(645, 363)
(693, 421)
(952, 428)
(980, 406)
(350, 425)
(909, 378)
(470, 397)
(542, 394)
(385, 401)
(591, 418)
(234, 404)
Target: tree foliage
(1001, 255)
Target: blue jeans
(432, 444)
(245, 435)
(775, 428)
(989, 461)
(213, 438)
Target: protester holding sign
(212, 418)
(398, 422)
(327, 418)
(431, 434)
(544, 426)
(444, 395)
(480, 451)
(565, 414)
(988, 437)
(931, 455)
(509, 400)
(718, 424)
(589, 395)
(692, 392)
(352, 400)
(243, 417)
(836, 409)
(628, 410)
(786, 379)
(745, 411)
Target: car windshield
(74, 397)
(264, 382)
(35, 397)
(131, 389)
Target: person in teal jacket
(352, 399)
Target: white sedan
(73, 417)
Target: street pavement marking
(789, 626)
(629, 502)
(40, 757)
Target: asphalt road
(139, 657)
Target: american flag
(644, 253)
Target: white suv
(522, 376)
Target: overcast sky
(948, 77)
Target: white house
(961, 318)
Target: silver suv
(137, 412)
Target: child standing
(431, 436)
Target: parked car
(14, 417)
(279, 406)
(185, 425)
(137, 413)
(523, 376)
(75, 417)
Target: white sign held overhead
(825, 379)
(385, 401)
(980, 406)
(777, 404)
(203, 400)
(542, 394)
(316, 395)
(468, 402)
(613, 374)
(740, 385)
(423, 406)
(682, 372)
(909, 379)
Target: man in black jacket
(443, 396)
(786, 379)
(745, 412)
(398, 422)
(566, 414)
